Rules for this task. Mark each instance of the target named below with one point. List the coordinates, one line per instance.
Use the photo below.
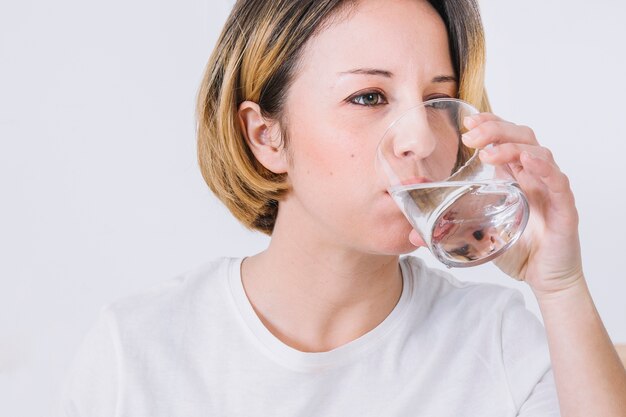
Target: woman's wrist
(570, 287)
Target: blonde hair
(255, 59)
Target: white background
(101, 195)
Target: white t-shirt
(193, 346)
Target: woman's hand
(587, 371)
(547, 255)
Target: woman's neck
(315, 295)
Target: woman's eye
(439, 96)
(439, 104)
(369, 99)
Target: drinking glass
(466, 212)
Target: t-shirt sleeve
(542, 401)
(91, 383)
(527, 361)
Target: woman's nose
(414, 136)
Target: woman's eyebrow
(389, 74)
(445, 79)
(369, 71)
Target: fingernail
(469, 122)
(467, 137)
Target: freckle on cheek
(351, 155)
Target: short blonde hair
(255, 59)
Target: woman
(328, 320)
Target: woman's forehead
(393, 35)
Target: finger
(548, 172)
(472, 121)
(496, 132)
(509, 153)
(562, 214)
(416, 239)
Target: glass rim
(424, 104)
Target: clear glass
(467, 212)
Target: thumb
(416, 239)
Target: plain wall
(101, 195)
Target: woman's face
(355, 78)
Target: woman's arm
(590, 378)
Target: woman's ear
(263, 137)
